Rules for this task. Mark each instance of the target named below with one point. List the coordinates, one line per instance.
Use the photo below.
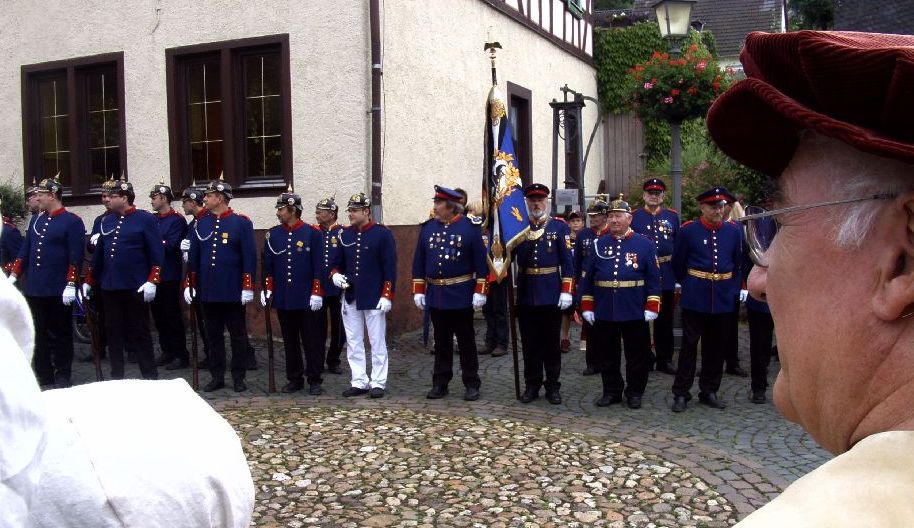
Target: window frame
(230, 54)
(75, 71)
(524, 133)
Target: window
(519, 116)
(73, 125)
(229, 113)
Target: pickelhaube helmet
(50, 185)
(123, 187)
(219, 186)
(193, 193)
(327, 204)
(31, 189)
(358, 201)
(619, 205)
(599, 205)
(161, 188)
(289, 198)
(109, 184)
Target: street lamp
(674, 18)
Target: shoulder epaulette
(672, 210)
(687, 222)
(242, 215)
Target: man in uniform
(127, 267)
(367, 269)
(166, 308)
(98, 304)
(291, 262)
(707, 260)
(660, 224)
(597, 212)
(450, 278)
(10, 243)
(52, 254)
(575, 222)
(326, 215)
(222, 262)
(545, 280)
(620, 294)
(192, 204)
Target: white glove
(189, 295)
(649, 315)
(340, 280)
(148, 290)
(13, 278)
(479, 300)
(264, 295)
(69, 295)
(743, 295)
(678, 287)
(185, 245)
(87, 291)
(184, 256)
(564, 301)
(247, 296)
(588, 316)
(384, 305)
(93, 240)
(419, 299)
(317, 302)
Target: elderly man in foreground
(828, 115)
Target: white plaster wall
(330, 79)
(436, 80)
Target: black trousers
(591, 354)
(447, 324)
(53, 357)
(218, 317)
(330, 323)
(201, 328)
(166, 313)
(607, 338)
(761, 335)
(711, 330)
(127, 321)
(663, 328)
(299, 331)
(495, 312)
(731, 352)
(540, 332)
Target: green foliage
(811, 14)
(619, 49)
(13, 200)
(613, 4)
(704, 166)
(675, 89)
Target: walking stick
(512, 314)
(195, 372)
(271, 384)
(93, 335)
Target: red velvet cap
(854, 87)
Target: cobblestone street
(407, 461)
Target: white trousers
(356, 322)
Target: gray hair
(861, 175)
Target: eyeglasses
(762, 226)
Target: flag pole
(496, 110)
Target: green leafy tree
(12, 200)
(613, 4)
(811, 14)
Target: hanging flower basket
(675, 89)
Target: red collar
(203, 212)
(366, 227)
(58, 212)
(709, 225)
(600, 232)
(226, 213)
(170, 212)
(331, 228)
(628, 234)
(456, 218)
(130, 210)
(294, 227)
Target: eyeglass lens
(760, 234)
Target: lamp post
(673, 18)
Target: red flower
(674, 92)
(692, 90)
(682, 62)
(716, 86)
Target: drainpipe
(376, 72)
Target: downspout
(376, 95)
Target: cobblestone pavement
(744, 454)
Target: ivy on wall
(704, 166)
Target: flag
(506, 212)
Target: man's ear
(894, 297)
